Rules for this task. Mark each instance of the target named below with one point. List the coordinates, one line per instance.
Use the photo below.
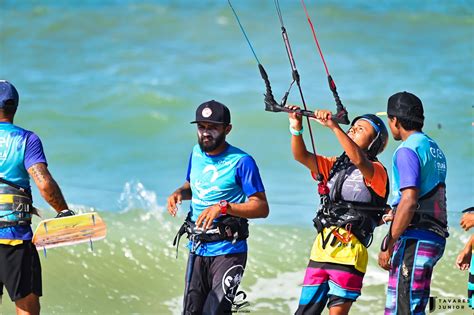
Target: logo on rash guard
(209, 175)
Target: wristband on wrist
(295, 132)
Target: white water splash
(288, 282)
(136, 196)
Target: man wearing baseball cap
(225, 189)
(21, 155)
(417, 235)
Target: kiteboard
(70, 230)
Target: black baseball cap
(8, 94)
(405, 105)
(212, 111)
(468, 210)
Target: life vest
(351, 205)
(16, 206)
(227, 228)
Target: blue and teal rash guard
(231, 175)
(19, 150)
(418, 162)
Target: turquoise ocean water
(110, 87)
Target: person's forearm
(53, 195)
(469, 244)
(47, 186)
(404, 214)
(353, 151)
(185, 191)
(252, 209)
(298, 147)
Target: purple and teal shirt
(19, 150)
(419, 163)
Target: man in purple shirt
(21, 156)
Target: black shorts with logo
(214, 283)
(20, 270)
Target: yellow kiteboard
(71, 230)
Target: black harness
(421, 220)
(358, 218)
(20, 204)
(229, 228)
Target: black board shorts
(20, 270)
(214, 284)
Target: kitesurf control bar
(307, 113)
(272, 106)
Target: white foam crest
(129, 298)
(175, 305)
(375, 276)
(288, 282)
(127, 252)
(222, 20)
(136, 196)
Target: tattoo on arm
(37, 172)
(47, 186)
(56, 199)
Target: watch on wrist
(223, 204)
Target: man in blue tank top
(21, 156)
(418, 233)
(225, 189)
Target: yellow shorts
(352, 253)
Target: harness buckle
(228, 231)
(23, 209)
(325, 204)
(236, 236)
(194, 244)
(340, 237)
(348, 227)
(19, 208)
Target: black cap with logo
(212, 112)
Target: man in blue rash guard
(225, 189)
(21, 156)
(417, 236)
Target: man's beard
(213, 144)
